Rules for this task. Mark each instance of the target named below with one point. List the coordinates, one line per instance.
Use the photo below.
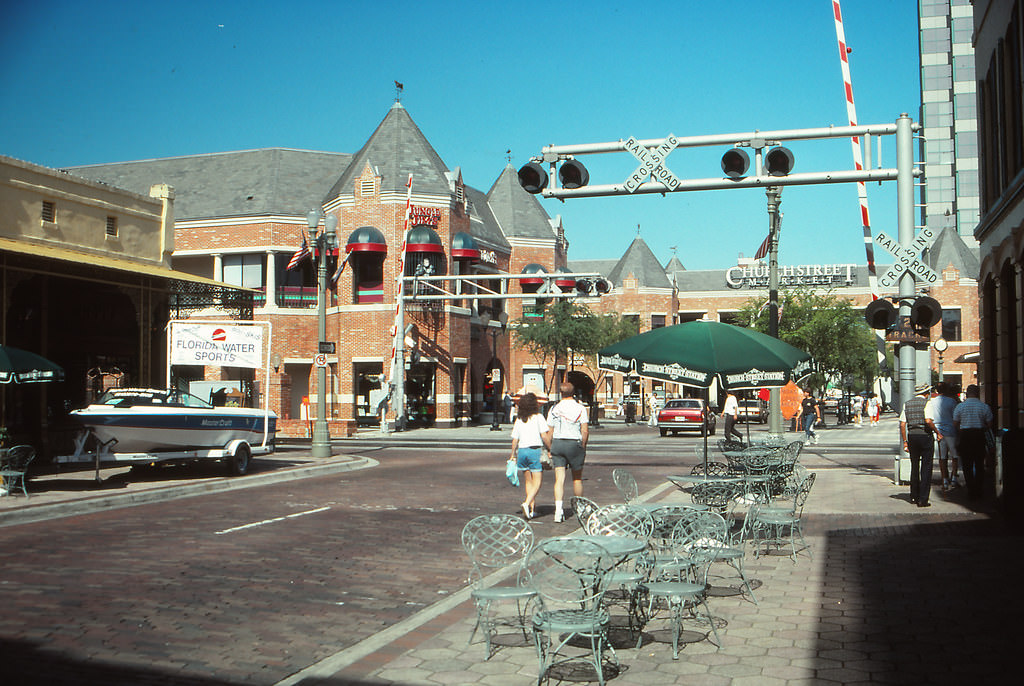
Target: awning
(969, 358)
(107, 262)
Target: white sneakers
(559, 516)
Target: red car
(685, 414)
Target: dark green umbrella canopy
(696, 352)
(21, 366)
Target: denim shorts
(529, 459)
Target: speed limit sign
(320, 360)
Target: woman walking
(529, 434)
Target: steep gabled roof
(641, 263)
(949, 248)
(518, 213)
(396, 149)
(674, 265)
(482, 224)
(230, 184)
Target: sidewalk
(893, 594)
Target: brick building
(241, 217)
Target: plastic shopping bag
(512, 472)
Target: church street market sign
(756, 275)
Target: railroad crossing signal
(908, 258)
(652, 163)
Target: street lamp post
(940, 346)
(495, 327)
(774, 194)
(322, 242)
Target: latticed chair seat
(494, 542)
(14, 466)
(711, 531)
(710, 469)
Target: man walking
(729, 412)
(972, 418)
(916, 432)
(568, 422)
(940, 410)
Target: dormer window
(367, 187)
(111, 227)
(48, 212)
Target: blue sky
(98, 81)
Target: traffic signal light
(572, 174)
(533, 178)
(596, 286)
(926, 312)
(735, 163)
(778, 161)
(880, 314)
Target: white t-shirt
(529, 432)
(567, 419)
(732, 406)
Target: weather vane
(508, 156)
(398, 91)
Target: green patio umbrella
(695, 353)
(21, 366)
(699, 352)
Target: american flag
(340, 270)
(300, 254)
(762, 252)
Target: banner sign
(217, 345)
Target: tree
(569, 326)
(830, 328)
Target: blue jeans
(808, 420)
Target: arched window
(366, 249)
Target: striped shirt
(972, 414)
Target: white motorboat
(145, 420)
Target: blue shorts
(529, 459)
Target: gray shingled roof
(483, 226)
(396, 149)
(230, 184)
(602, 267)
(641, 263)
(674, 265)
(949, 248)
(519, 214)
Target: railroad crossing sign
(652, 163)
(907, 258)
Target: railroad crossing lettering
(652, 163)
(907, 259)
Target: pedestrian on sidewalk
(874, 409)
(916, 431)
(810, 414)
(729, 413)
(940, 409)
(529, 434)
(972, 419)
(569, 432)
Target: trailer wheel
(238, 463)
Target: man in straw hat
(916, 431)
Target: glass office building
(949, 116)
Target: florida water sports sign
(216, 345)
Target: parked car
(685, 414)
(752, 411)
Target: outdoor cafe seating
(14, 464)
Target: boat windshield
(146, 397)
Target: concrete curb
(37, 513)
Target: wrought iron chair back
(621, 520)
(626, 484)
(582, 508)
(712, 469)
(496, 541)
(14, 466)
(719, 496)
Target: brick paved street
(356, 576)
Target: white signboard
(907, 259)
(217, 345)
(652, 163)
